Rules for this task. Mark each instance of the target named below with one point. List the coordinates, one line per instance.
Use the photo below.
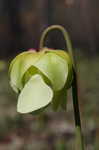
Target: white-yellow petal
(36, 94)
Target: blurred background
(21, 25)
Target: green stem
(65, 34)
(79, 139)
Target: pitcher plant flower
(41, 78)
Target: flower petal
(35, 95)
(60, 99)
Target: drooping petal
(55, 68)
(59, 99)
(36, 94)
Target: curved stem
(65, 34)
(79, 137)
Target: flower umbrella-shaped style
(41, 78)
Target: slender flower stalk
(79, 138)
(65, 34)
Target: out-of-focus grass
(52, 131)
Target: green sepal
(54, 68)
(20, 65)
(66, 57)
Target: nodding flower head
(41, 78)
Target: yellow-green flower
(41, 78)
